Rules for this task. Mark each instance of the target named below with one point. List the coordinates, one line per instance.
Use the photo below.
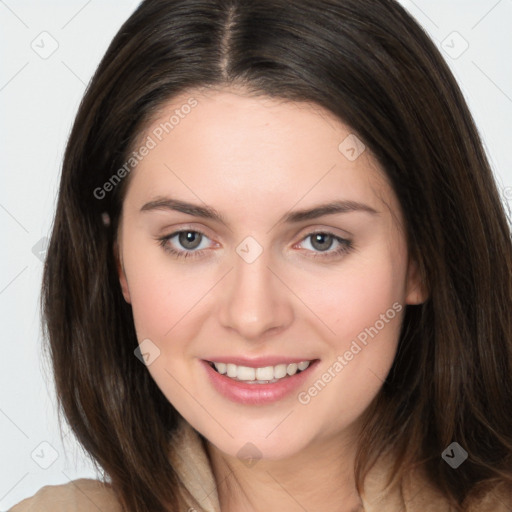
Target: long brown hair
(371, 64)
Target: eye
(187, 244)
(189, 240)
(321, 243)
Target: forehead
(246, 150)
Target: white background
(38, 100)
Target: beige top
(191, 462)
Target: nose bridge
(256, 301)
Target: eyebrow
(207, 212)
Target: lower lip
(256, 394)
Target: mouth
(260, 375)
(258, 385)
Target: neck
(320, 477)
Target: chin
(264, 442)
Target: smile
(262, 375)
(258, 385)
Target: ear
(416, 287)
(121, 273)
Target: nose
(255, 301)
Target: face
(221, 263)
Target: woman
(280, 273)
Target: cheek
(355, 364)
(162, 291)
(163, 298)
(363, 306)
(354, 298)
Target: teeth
(266, 373)
(245, 373)
(291, 369)
(231, 370)
(280, 371)
(221, 368)
(260, 375)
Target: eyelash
(345, 245)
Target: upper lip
(257, 362)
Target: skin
(255, 159)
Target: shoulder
(82, 495)
(418, 494)
(496, 499)
(427, 497)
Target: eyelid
(170, 231)
(345, 245)
(319, 228)
(302, 233)
(343, 242)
